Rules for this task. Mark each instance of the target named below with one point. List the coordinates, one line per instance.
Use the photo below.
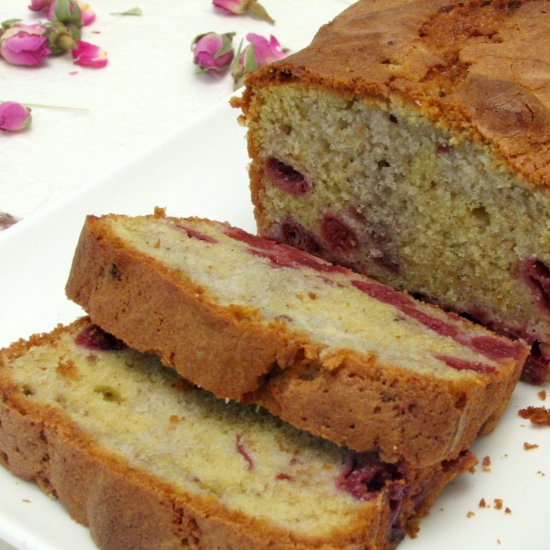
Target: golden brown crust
(128, 509)
(404, 415)
(349, 399)
(475, 66)
(169, 306)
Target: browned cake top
(476, 65)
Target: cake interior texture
(380, 189)
(260, 472)
(409, 142)
(329, 305)
(324, 348)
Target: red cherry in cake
(463, 364)
(536, 365)
(537, 276)
(364, 475)
(194, 234)
(244, 452)
(338, 234)
(286, 178)
(281, 255)
(296, 235)
(488, 346)
(93, 337)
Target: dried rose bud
(87, 13)
(258, 53)
(89, 55)
(212, 51)
(40, 5)
(240, 7)
(66, 11)
(265, 51)
(14, 117)
(61, 39)
(24, 45)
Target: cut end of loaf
(223, 463)
(408, 202)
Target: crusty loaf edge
(374, 50)
(426, 420)
(128, 509)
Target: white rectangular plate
(200, 170)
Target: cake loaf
(149, 462)
(409, 142)
(329, 351)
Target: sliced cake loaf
(325, 349)
(149, 462)
(409, 141)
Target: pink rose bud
(263, 51)
(61, 39)
(240, 7)
(66, 11)
(89, 55)
(39, 5)
(87, 13)
(14, 117)
(24, 45)
(212, 51)
(258, 53)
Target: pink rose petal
(265, 51)
(89, 55)
(87, 13)
(39, 5)
(235, 7)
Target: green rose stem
(55, 107)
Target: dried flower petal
(6, 220)
(236, 7)
(89, 55)
(212, 51)
(265, 51)
(24, 45)
(240, 7)
(14, 116)
(132, 11)
(258, 53)
(40, 5)
(9, 23)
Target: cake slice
(409, 142)
(329, 351)
(147, 461)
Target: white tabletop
(149, 87)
